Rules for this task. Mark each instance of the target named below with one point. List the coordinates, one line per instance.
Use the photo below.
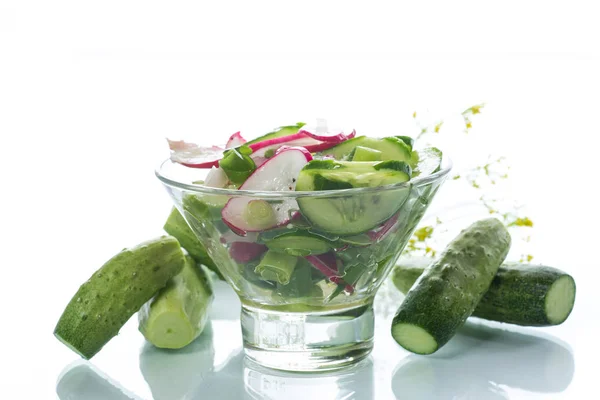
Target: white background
(89, 90)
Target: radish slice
(243, 252)
(235, 140)
(384, 230)
(278, 173)
(326, 266)
(323, 133)
(216, 178)
(295, 140)
(315, 148)
(301, 149)
(194, 156)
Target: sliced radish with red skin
(243, 252)
(327, 264)
(306, 153)
(384, 230)
(258, 159)
(324, 265)
(277, 174)
(235, 140)
(295, 140)
(194, 156)
(324, 133)
(320, 147)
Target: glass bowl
(306, 286)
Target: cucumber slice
(391, 148)
(361, 153)
(426, 161)
(178, 314)
(520, 294)
(106, 301)
(410, 142)
(450, 289)
(358, 213)
(300, 244)
(279, 132)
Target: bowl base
(307, 342)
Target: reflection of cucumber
(115, 292)
(177, 227)
(356, 213)
(391, 148)
(178, 313)
(449, 290)
(521, 294)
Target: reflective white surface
(484, 361)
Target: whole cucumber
(115, 292)
(178, 313)
(520, 294)
(449, 290)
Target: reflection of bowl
(306, 291)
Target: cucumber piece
(520, 294)
(450, 289)
(237, 164)
(361, 153)
(410, 142)
(426, 161)
(279, 132)
(277, 267)
(356, 213)
(300, 244)
(104, 303)
(301, 284)
(205, 206)
(391, 148)
(177, 227)
(177, 315)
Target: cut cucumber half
(426, 161)
(391, 148)
(414, 338)
(520, 294)
(358, 212)
(560, 300)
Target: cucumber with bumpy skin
(177, 315)
(115, 292)
(449, 290)
(520, 294)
